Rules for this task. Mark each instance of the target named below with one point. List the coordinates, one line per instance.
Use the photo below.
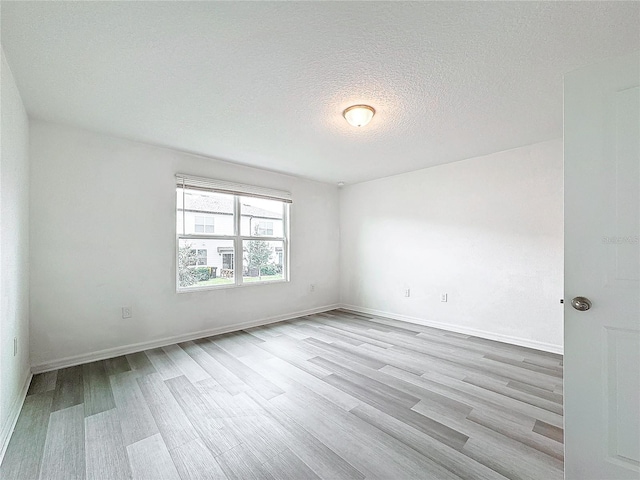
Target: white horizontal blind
(221, 186)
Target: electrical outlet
(407, 292)
(126, 312)
(312, 287)
(443, 297)
(15, 346)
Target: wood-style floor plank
(187, 365)
(519, 395)
(163, 364)
(173, 424)
(64, 456)
(97, 389)
(246, 374)
(261, 435)
(150, 459)
(512, 460)
(334, 395)
(240, 464)
(227, 379)
(69, 389)
(286, 376)
(320, 458)
(24, 452)
(523, 433)
(368, 449)
(140, 364)
(549, 431)
(43, 382)
(135, 418)
(204, 414)
(290, 351)
(116, 365)
(287, 466)
(106, 456)
(501, 453)
(326, 326)
(194, 461)
(451, 459)
(545, 393)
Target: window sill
(231, 285)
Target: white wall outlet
(15, 346)
(126, 312)
(312, 287)
(407, 292)
(443, 297)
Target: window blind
(222, 186)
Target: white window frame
(237, 190)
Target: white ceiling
(264, 83)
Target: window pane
(264, 228)
(201, 263)
(261, 217)
(262, 261)
(202, 257)
(205, 212)
(204, 224)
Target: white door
(602, 263)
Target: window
(203, 224)
(265, 228)
(196, 257)
(230, 234)
(201, 257)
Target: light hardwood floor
(336, 395)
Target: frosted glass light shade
(358, 115)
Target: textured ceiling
(264, 83)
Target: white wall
(14, 251)
(487, 231)
(103, 236)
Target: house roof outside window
(224, 206)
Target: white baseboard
(138, 347)
(522, 342)
(12, 419)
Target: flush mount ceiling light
(359, 115)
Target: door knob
(581, 303)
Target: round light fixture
(359, 115)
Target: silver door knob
(581, 303)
